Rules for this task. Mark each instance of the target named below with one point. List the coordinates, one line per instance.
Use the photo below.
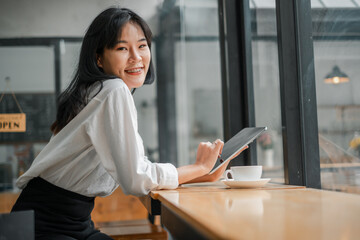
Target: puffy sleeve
(114, 133)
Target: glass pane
(146, 105)
(336, 31)
(189, 78)
(267, 88)
(30, 75)
(198, 86)
(69, 57)
(31, 69)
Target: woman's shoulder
(113, 85)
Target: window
(29, 73)
(336, 34)
(188, 79)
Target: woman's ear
(98, 61)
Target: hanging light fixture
(336, 76)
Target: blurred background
(39, 47)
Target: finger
(205, 144)
(222, 146)
(240, 151)
(202, 143)
(219, 145)
(246, 147)
(237, 154)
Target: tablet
(236, 143)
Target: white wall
(50, 18)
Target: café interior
(221, 66)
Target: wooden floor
(7, 200)
(118, 206)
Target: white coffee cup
(243, 173)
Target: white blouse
(101, 149)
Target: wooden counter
(273, 212)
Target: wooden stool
(132, 229)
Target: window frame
(297, 84)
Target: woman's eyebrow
(123, 41)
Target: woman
(95, 145)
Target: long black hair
(102, 33)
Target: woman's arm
(113, 132)
(206, 157)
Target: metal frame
(298, 93)
(297, 84)
(247, 74)
(165, 45)
(236, 72)
(57, 69)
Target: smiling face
(130, 57)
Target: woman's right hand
(207, 154)
(215, 176)
(206, 157)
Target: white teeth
(134, 70)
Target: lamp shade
(336, 76)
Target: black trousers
(59, 213)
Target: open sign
(13, 122)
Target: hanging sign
(12, 122)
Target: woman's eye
(121, 48)
(143, 45)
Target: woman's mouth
(134, 71)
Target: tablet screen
(236, 143)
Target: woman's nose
(134, 56)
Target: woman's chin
(134, 84)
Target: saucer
(246, 184)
